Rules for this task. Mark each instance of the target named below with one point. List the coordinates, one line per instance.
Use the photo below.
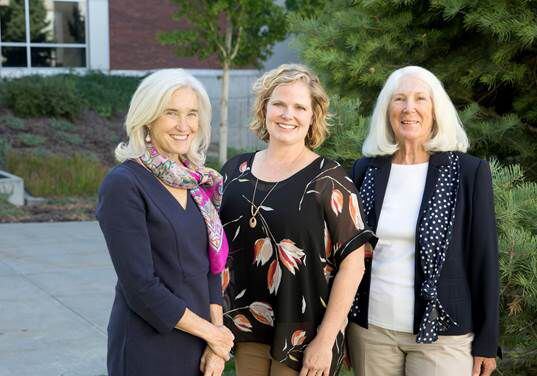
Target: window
(43, 33)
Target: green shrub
(9, 210)
(53, 175)
(28, 139)
(61, 125)
(33, 96)
(13, 122)
(70, 138)
(106, 94)
(5, 146)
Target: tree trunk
(224, 95)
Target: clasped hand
(317, 358)
(221, 342)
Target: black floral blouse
(279, 273)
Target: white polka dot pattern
(367, 196)
(435, 231)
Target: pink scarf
(205, 186)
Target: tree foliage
(256, 25)
(485, 53)
(516, 213)
(238, 32)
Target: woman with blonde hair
(158, 213)
(428, 303)
(297, 239)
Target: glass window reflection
(58, 57)
(12, 24)
(13, 57)
(58, 22)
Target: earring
(147, 136)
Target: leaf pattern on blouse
(327, 242)
(306, 227)
(262, 312)
(225, 280)
(354, 211)
(290, 255)
(242, 323)
(298, 337)
(262, 251)
(336, 201)
(274, 277)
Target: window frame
(28, 44)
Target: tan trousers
(382, 352)
(253, 359)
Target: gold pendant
(253, 222)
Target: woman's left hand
(317, 358)
(483, 366)
(211, 364)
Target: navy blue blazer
(469, 282)
(159, 252)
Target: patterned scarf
(205, 185)
(439, 215)
(439, 218)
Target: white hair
(447, 133)
(149, 102)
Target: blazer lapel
(435, 161)
(383, 165)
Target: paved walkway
(56, 290)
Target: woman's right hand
(221, 342)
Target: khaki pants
(253, 359)
(382, 352)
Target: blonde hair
(288, 74)
(447, 134)
(149, 102)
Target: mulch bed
(53, 210)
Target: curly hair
(288, 74)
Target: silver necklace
(254, 212)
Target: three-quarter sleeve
(122, 218)
(215, 288)
(344, 218)
(484, 273)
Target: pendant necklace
(254, 212)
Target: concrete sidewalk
(56, 291)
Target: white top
(391, 297)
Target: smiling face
(411, 111)
(289, 114)
(173, 131)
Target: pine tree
(516, 213)
(485, 52)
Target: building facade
(117, 37)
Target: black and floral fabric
(279, 273)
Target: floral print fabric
(279, 273)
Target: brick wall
(133, 43)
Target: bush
(5, 146)
(33, 96)
(61, 125)
(105, 94)
(13, 122)
(70, 138)
(28, 139)
(7, 209)
(53, 175)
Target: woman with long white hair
(158, 211)
(428, 303)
